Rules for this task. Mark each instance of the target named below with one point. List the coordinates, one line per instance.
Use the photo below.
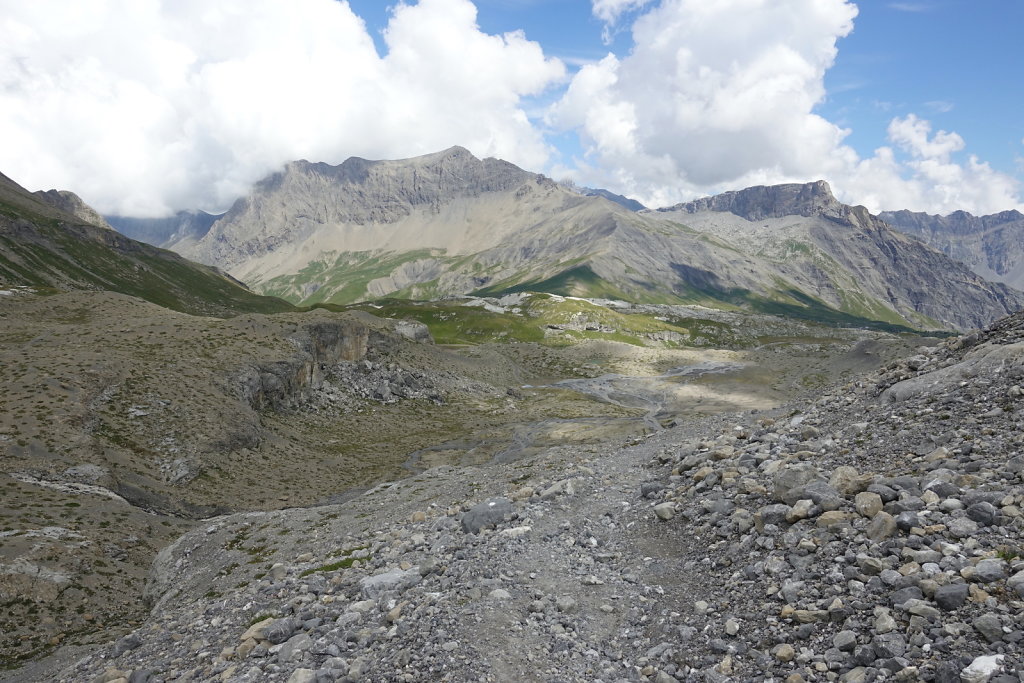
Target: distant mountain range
(627, 202)
(993, 246)
(451, 224)
(172, 232)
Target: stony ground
(874, 533)
(123, 424)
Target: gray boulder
(489, 513)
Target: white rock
(981, 669)
(665, 511)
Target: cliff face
(992, 246)
(772, 201)
(72, 204)
(305, 198)
(284, 383)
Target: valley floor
(664, 528)
(871, 534)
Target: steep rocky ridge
(774, 201)
(71, 203)
(450, 224)
(848, 257)
(289, 207)
(992, 246)
(873, 532)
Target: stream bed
(659, 401)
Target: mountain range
(451, 224)
(335, 472)
(992, 246)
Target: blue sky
(146, 108)
(960, 63)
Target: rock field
(872, 534)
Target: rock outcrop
(72, 204)
(292, 381)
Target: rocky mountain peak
(427, 179)
(758, 203)
(770, 201)
(71, 203)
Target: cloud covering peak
(144, 106)
(148, 106)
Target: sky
(145, 107)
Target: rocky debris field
(873, 534)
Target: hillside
(450, 224)
(44, 246)
(124, 424)
(992, 246)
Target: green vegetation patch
(341, 279)
(345, 563)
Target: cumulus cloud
(722, 95)
(609, 11)
(145, 106)
(928, 179)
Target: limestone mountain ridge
(449, 224)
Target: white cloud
(609, 11)
(142, 106)
(722, 95)
(940, 106)
(929, 180)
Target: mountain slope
(851, 258)
(992, 246)
(449, 224)
(173, 232)
(42, 245)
